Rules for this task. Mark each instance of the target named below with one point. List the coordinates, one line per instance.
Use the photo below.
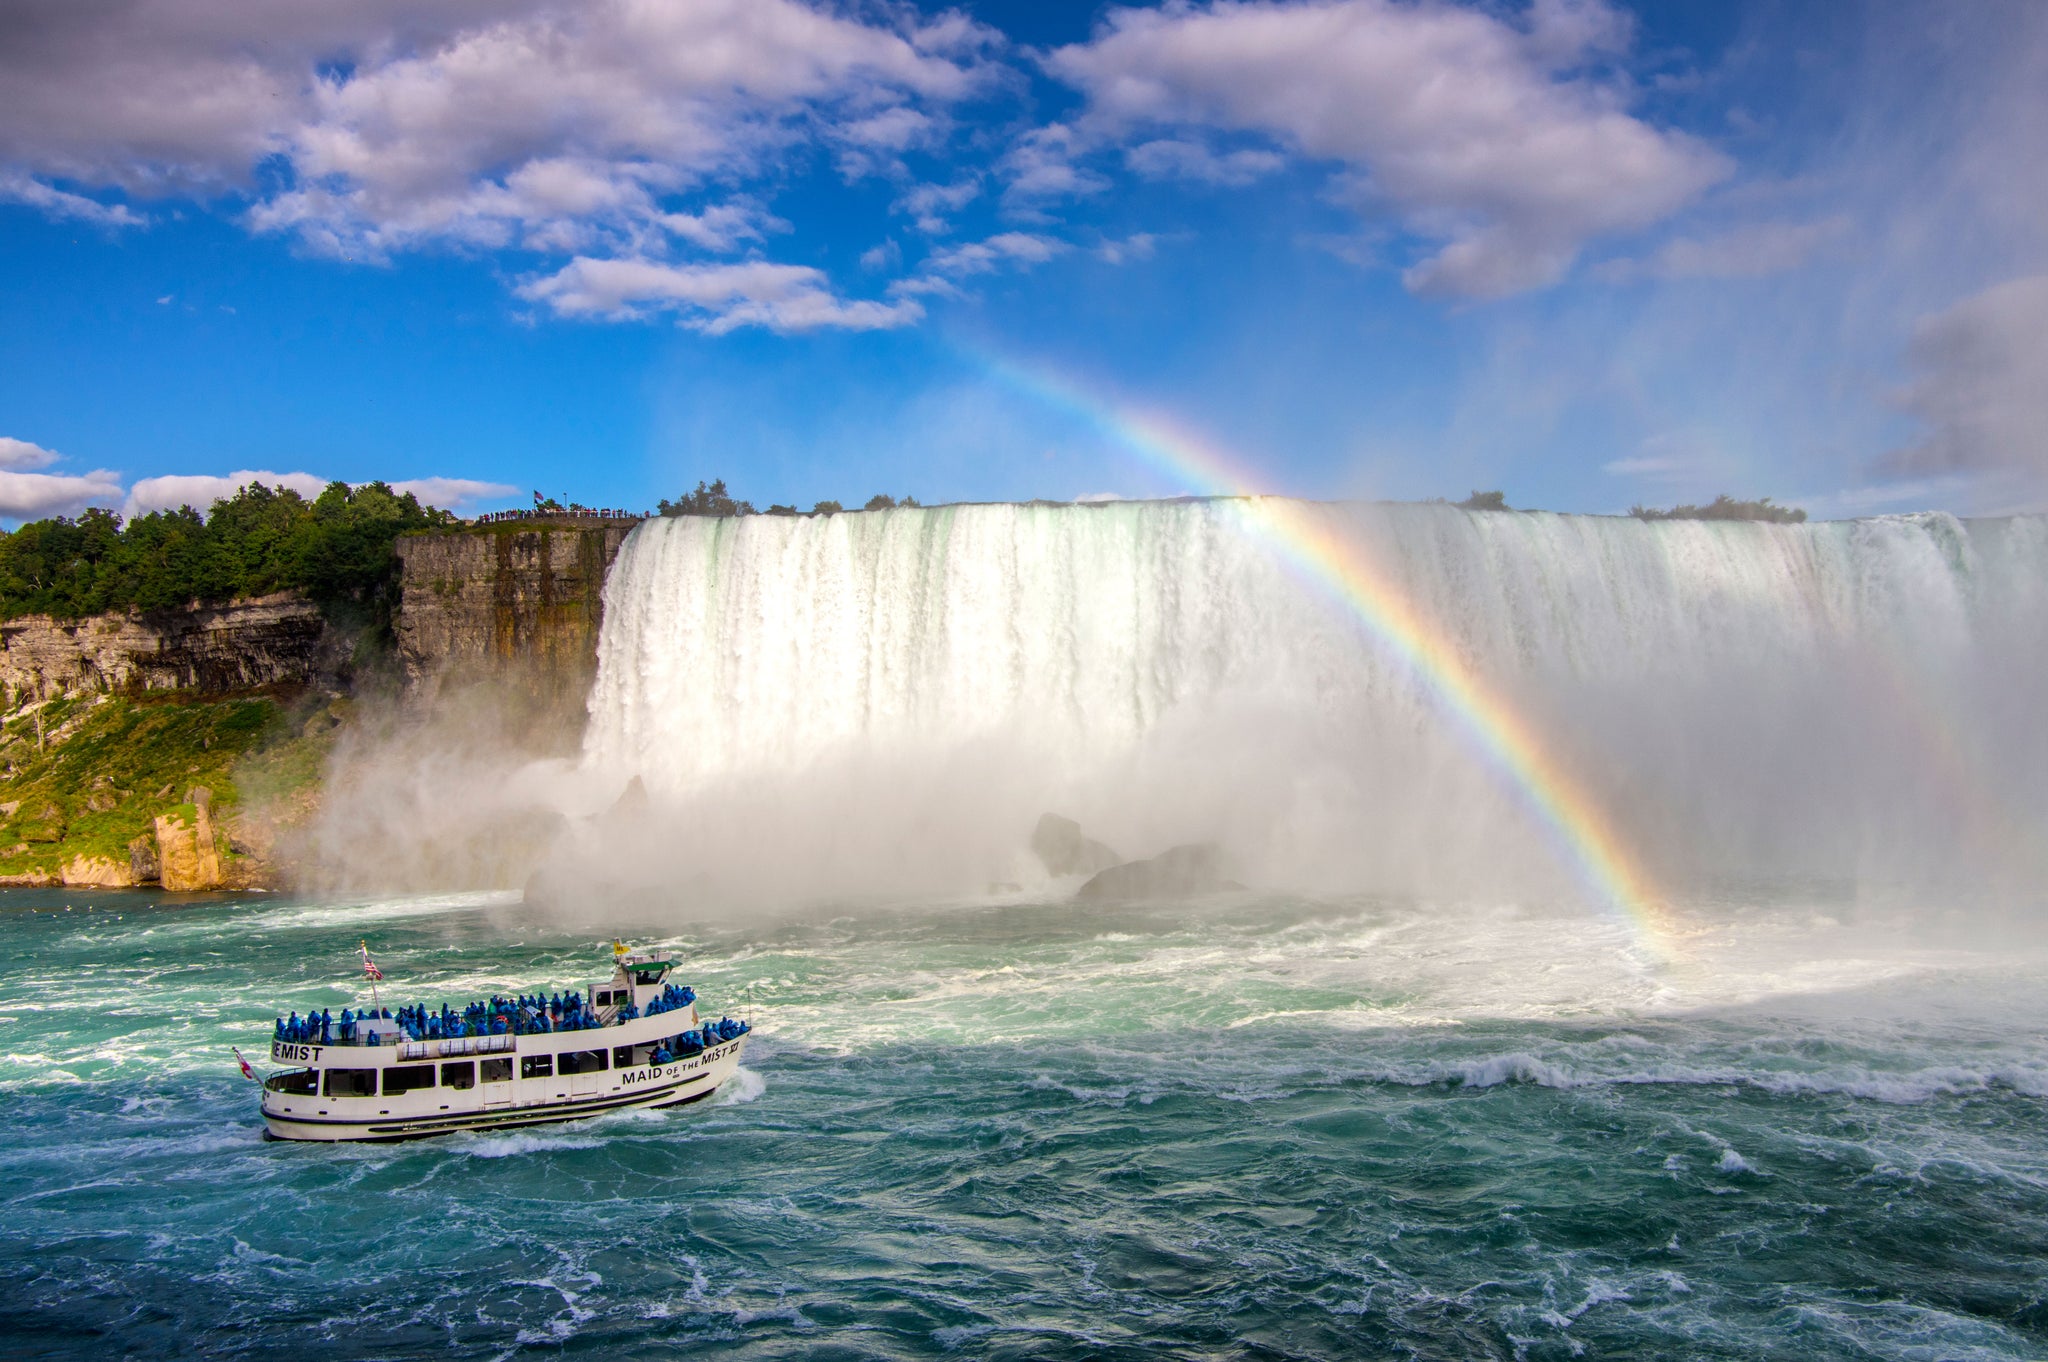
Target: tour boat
(404, 1073)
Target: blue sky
(1589, 253)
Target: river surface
(1255, 1128)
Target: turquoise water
(1257, 1128)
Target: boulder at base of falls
(1178, 873)
(632, 801)
(1060, 844)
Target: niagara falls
(900, 680)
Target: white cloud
(896, 129)
(1136, 246)
(712, 298)
(26, 495)
(30, 496)
(16, 188)
(589, 129)
(589, 114)
(1981, 383)
(1176, 159)
(1678, 458)
(201, 490)
(721, 228)
(453, 493)
(1647, 467)
(187, 96)
(20, 454)
(1751, 251)
(1478, 134)
(1043, 165)
(928, 204)
(942, 267)
(985, 257)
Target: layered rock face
(244, 645)
(514, 606)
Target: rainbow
(1586, 838)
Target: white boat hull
(498, 1106)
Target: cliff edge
(512, 609)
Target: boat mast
(372, 973)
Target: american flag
(247, 1072)
(370, 969)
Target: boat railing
(456, 1045)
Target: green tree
(1725, 507)
(1485, 501)
(709, 499)
(336, 548)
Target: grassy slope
(110, 767)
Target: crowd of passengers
(526, 1015)
(696, 1042)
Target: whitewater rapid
(1852, 701)
(1303, 1128)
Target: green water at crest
(1257, 1129)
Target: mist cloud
(1981, 383)
(1749, 251)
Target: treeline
(1725, 507)
(712, 499)
(336, 547)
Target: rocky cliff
(195, 749)
(244, 645)
(514, 607)
(113, 727)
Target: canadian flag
(370, 969)
(247, 1072)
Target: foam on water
(1307, 1127)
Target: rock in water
(1065, 851)
(1178, 873)
(632, 801)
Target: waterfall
(1850, 700)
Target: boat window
(604, 997)
(537, 1066)
(622, 1056)
(351, 1082)
(300, 1082)
(497, 1071)
(407, 1080)
(582, 1061)
(462, 1075)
